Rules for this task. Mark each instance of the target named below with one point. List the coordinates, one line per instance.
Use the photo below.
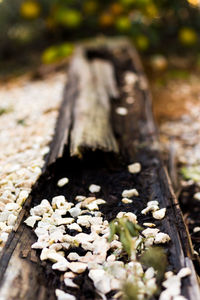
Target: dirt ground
(177, 112)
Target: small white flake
(154, 202)
(59, 201)
(161, 238)
(30, 221)
(63, 181)
(184, 272)
(159, 214)
(126, 200)
(149, 224)
(64, 296)
(168, 274)
(73, 256)
(93, 188)
(11, 220)
(84, 237)
(179, 297)
(64, 221)
(150, 232)
(92, 206)
(131, 217)
(75, 211)
(69, 282)
(120, 215)
(84, 221)
(12, 206)
(40, 245)
(74, 226)
(61, 265)
(77, 267)
(4, 236)
(196, 229)
(69, 275)
(122, 111)
(134, 168)
(197, 196)
(173, 285)
(100, 201)
(149, 273)
(111, 258)
(151, 206)
(80, 198)
(101, 280)
(23, 195)
(130, 193)
(116, 244)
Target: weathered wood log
(85, 111)
(91, 126)
(22, 275)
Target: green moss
(155, 257)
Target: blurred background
(44, 31)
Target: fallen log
(86, 108)
(122, 137)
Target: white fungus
(161, 238)
(122, 111)
(94, 188)
(63, 181)
(196, 229)
(77, 267)
(126, 200)
(159, 214)
(61, 295)
(134, 168)
(197, 196)
(130, 193)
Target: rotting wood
(137, 139)
(85, 111)
(91, 127)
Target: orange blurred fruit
(106, 20)
(116, 8)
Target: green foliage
(191, 173)
(126, 230)
(130, 291)
(55, 53)
(70, 18)
(5, 110)
(151, 24)
(155, 257)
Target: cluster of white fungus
(105, 270)
(153, 206)
(172, 285)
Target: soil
(174, 101)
